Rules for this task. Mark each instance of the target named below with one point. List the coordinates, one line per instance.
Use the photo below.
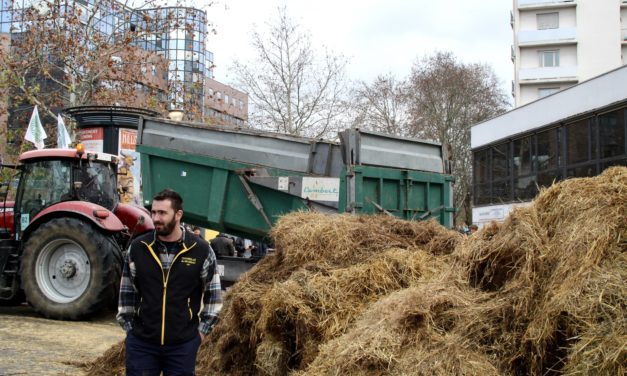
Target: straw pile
(327, 270)
(544, 293)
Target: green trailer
(240, 181)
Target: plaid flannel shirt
(212, 297)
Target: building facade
(577, 132)
(225, 105)
(559, 43)
(173, 41)
(180, 34)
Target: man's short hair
(168, 194)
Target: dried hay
(111, 363)
(327, 270)
(558, 271)
(542, 294)
(407, 333)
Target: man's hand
(202, 336)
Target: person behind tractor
(166, 274)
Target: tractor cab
(52, 176)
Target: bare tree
(446, 97)
(70, 53)
(381, 105)
(293, 88)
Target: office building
(577, 132)
(172, 37)
(180, 34)
(559, 43)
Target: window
(546, 91)
(577, 142)
(548, 20)
(481, 166)
(513, 170)
(522, 156)
(611, 135)
(549, 58)
(546, 157)
(500, 161)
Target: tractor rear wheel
(69, 269)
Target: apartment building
(559, 43)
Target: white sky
(378, 36)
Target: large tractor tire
(69, 269)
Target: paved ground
(32, 345)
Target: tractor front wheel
(69, 269)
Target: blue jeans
(148, 359)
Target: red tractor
(63, 232)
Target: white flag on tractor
(63, 137)
(35, 132)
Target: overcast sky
(378, 36)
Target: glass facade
(179, 34)
(514, 169)
(107, 14)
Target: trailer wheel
(69, 269)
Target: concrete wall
(585, 97)
(599, 31)
(529, 93)
(530, 56)
(528, 18)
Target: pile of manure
(544, 293)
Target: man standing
(223, 245)
(166, 274)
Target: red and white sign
(92, 138)
(129, 167)
(128, 139)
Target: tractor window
(98, 184)
(45, 183)
(8, 190)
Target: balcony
(513, 54)
(563, 35)
(539, 4)
(550, 74)
(623, 35)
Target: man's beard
(167, 228)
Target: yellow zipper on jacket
(165, 280)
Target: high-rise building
(559, 43)
(179, 34)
